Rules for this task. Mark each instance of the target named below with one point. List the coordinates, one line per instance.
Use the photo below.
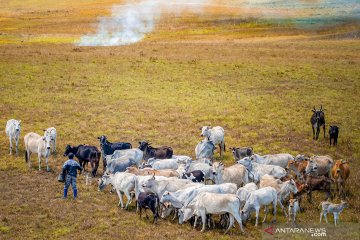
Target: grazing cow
(108, 148)
(151, 171)
(317, 120)
(205, 149)
(218, 203)
(240, 153)
(215, 135)
(85, 154)
(293, 209)
(147, 200)
(280, 160)
(324, 164)
(334, 133)
(163, 152)
(261, 197)
(34, 143)
(122, 183)
(12, 131)
(340, 173)
(336, 209)
(234, 174)
(195, 176)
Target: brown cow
(298, 167)
(340, 173)
(313, 183)
(163, 152)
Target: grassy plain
(257, 79)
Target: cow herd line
(198, 189)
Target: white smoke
(129, 23)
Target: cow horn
(314, 108)
(321, 108)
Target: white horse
(34, 143)
(12, 130)
(51, 131)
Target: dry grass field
(257, 79)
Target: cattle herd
(176, 184)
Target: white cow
(165, 164)
(204, 167)
(34, 143)
(216, 135)
(51, 131)
(122, 182)
(244, 192)
(171, 185)
(258, 170)
(234, 174)
(217, 203)
(135, 154)
(261, 197)
(12, 131)
(281, 159)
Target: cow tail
(26, 156)
(130, 145)
(157, 204)
(224, 147)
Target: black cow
(317, 120)
(195, 176)
(85, 154)
(109, 148)
(148, 200)
(163, 152)
(334, 133)
(240, 153)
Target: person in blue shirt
(70, 168)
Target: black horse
(317, 120)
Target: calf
(293, 209)
(336, 209)
(147, 200)
(85, 154)
(163, 152)
(334, 133)
(12, 131)
(240, 153)
(195, 176)
(340, 173)
(108, 148)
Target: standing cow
(12, 131)
(205, 149)
(216, 135)
(317, 120)
(34, 143)
(334, 133)
(51, 131)
(85, 154)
